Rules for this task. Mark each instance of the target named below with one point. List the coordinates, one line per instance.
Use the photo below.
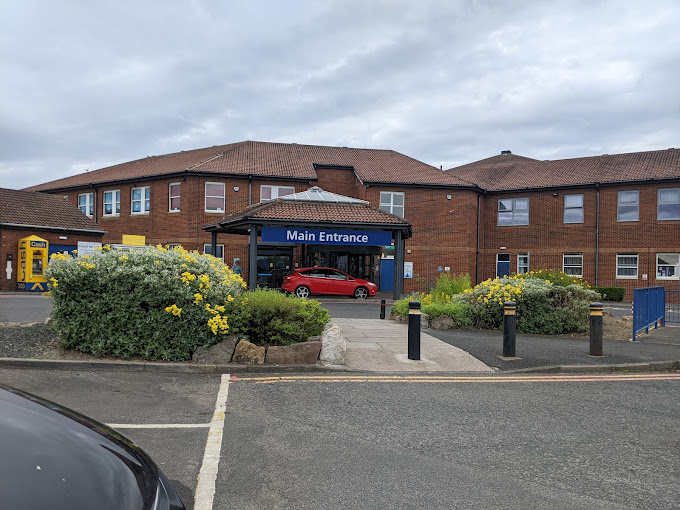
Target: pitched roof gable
(509, 171)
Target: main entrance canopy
(332, 229)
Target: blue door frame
(387, 275)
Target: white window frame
(144, 200)
(89, 204)
(171, 196)
(115, 203)
(565, 265)
(207, 248)
(619, 205)
(275, 191)
(572, 208)
(387, 202)
(623, 266)
(675, 269)
(519, 256)
(660, 203)
(205, 203)
(512, 210)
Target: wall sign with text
(325, 236)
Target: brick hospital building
(612, 219)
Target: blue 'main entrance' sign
(326, 236)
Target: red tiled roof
(42, 210)
(323, 212)
(270, 160)
(509, 171)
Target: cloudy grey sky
(89, 84)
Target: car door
(315, 279)
(339, 283)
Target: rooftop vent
(506, 152)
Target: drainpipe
(597, 236)
(250, 190)
(479, 202)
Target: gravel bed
(26, 340)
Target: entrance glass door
(272, 265)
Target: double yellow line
(457, 379)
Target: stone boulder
(247, 353)
(441, 322)
(333, 345)
(218, 353)
(305, 353)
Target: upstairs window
(626, 265)
(112, 203)
(573, 208)
(214, 197)
(141, 200)
(513, 211)
(392, 202)
(272, 192)
(86, 204)
(668, 204)
(174, 196)
(628, 206)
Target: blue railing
(673, 306)
(649, 307)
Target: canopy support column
(252, 258)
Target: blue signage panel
(325, 236)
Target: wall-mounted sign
(134, 240)
(87, 248)
(325, 236)
(408, 269)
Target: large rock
(247, 353)
(441, 322)
(305, 353)
(333, 345)
(218, 353)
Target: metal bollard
(596, 329)
(509, 329)
(382, 308)
(414, 330)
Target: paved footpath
(382, 346)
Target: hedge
(611, 293)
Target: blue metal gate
(649, 307)
(673, 306)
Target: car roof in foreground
(53, 457)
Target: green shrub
(611, 293)
(450, 285)
(153, 303)
(459, 311)
(268, 316)
(555, 277)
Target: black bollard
(414, 330)
(596, 329)
(509, 329)
(382, 308)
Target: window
(668, 204)
(628, 206)
(522, 263)
(173, 245)
(572, 264)
(174, 197)
(207, 248)
(141, 200)
(214, 197)
(86, 203)
(626, 265)
(272, 192)
(513, 211)
(573, 208)
(112, 203)
(392, 202)
(668, 266)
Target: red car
(325, 280)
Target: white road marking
(158, 425)
(205, 489)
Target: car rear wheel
(361, 293)
(302, 292)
